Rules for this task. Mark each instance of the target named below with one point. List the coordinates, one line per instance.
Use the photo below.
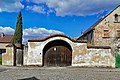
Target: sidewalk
(29, 67)
(44, 68)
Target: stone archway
(57, 53)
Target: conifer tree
(17, 39)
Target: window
(106, 33)
(2, 51)
(116, 17)
(118, 33)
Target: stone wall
(96, 58)
(81, 55)
(3, 45)
(8, 57)
(100, 58)
(78, 49)
(34, 55)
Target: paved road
(59, 74)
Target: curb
(60, 68)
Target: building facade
(105, 31)
(91, 49)
(4, 41)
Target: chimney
(2, 34)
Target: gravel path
(59, 74)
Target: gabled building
(105, 31)
(4, 41)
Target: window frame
(116, 18)
(118, 33)
(106, 32)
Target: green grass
(0, 60)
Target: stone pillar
(19, 57)
(8, 57)
(25, 55)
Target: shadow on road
(1, 70)
(32, 78)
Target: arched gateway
(57, 53)
(54, 50)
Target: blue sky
(46, 17)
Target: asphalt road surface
(59, 73)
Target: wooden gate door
(58, 56)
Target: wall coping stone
(99, 47)
(56, 35)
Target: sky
(42, 18)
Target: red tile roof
(55, 35)
(6, 39)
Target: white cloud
(38, 33)
(61, 7)
(30, 32)
(11, 5)
(78, 7)
(7, 30)
(36, 8)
